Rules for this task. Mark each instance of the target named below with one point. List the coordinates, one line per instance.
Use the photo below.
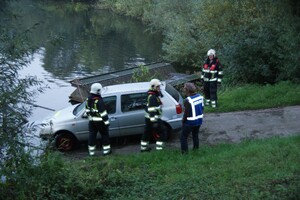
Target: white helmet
(96, 88)
(154, 83)
(211, 52)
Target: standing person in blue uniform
(192, 117)
(98, 120)
(153, 120)
(211, 76)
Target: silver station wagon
(125, 106)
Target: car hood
(61, 115)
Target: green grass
(251, 97)
(261, 169)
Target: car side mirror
(84, 116)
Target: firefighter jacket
(95, 109)
(154, 106)
(193, 113)
(212, 70)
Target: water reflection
(92, 41)
(80, 42)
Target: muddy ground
(219, 128)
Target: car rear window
(172, 91)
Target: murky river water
(77, 43)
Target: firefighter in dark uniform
(192, 117)
(211, 75)
(153, 122)
(98, 120)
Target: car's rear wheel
(168, 132)
(65, 141)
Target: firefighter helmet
(154, 83)
(96, 88)
(211, 52)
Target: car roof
(123, 88)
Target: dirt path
(218, 128)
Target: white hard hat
(96, 88)
(154, 83)
(211, 52)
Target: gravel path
(218, 128)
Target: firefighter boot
(207, 102)
(106, 150)
(213, 104)
(92, 150)
(160, 145)
(145, 146)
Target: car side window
(110, 104)
(131, 102)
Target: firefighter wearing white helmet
(211, 75)
(211, 52)
(153, 122)
(98, 120)
(96, 88)
(154, 83)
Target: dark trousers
(94, 128)
(210, 90)
(186, 130)
(152, 128)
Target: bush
(256, 41)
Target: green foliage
(142, 74)
(256, 41)
(16, 95)
(132, 8)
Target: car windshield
(78, 108)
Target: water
(73, 43)
(77, 43)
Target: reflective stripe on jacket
(153, 107)
(95, 109)
(195, 114)
(212, 70)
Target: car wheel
(65, 142)
(168, 132)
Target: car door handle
(113, 118)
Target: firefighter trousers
(210, 91)
(153, 130)
(94, 128)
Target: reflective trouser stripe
(207, 101)
(106, 149)
(159, 145)
(213, 104)
(92, 150)
(144, 145)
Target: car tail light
(178, 109)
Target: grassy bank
(252, 97)
(262, 169)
